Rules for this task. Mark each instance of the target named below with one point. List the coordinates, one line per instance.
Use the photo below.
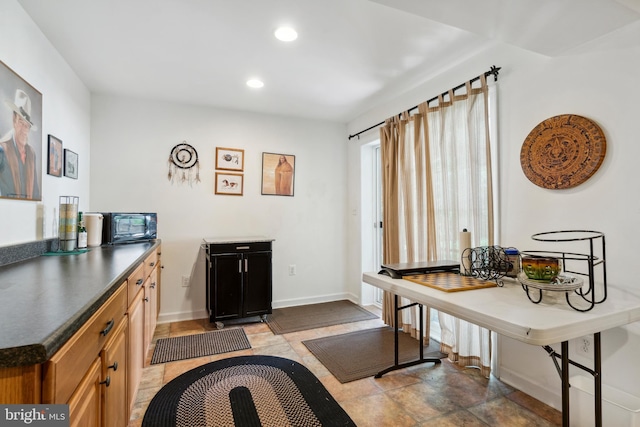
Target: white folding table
(507, 311)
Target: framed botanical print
(70, 164)
(54, 156)
(231, 159)
(229, 183)
(278, 173)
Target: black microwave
(124, 227)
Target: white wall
(319, 229)
(131, 141)
(65, 114)
(601, 85)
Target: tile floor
(422, 395)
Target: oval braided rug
(246, 391)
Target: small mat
(362, 354)
(312, 316)
(206, 344)
(61, 253)
(245, 391)
(450, 282)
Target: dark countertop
(45, 300)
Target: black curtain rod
(493, 71)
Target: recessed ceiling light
(286, 34)
(255, 83)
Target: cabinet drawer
(150, 263)
(226, 248)
(64, 371)
(134, 283)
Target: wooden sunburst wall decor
(563, 151)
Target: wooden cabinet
(239, 281)
(89, 372)
(144, 293)
(96, 371)
(100, 399)
(85, 403)
(65, 369)
(150, 308)
(136, 347)
(115, 412)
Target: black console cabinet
(239, 280)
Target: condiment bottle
(82, 233)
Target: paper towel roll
(465, 261)
(93, 223)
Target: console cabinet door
(257, 283)
(225, 295)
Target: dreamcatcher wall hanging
(184, 164)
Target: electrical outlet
(292, 270)
(185, 281)
(584, 346)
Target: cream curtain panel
(437, 180)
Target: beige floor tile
(174, 369)
(503, 412)
(352, 390)
(456, 419)
(422, 395)
(265, 339)
(377, 410)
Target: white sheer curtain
(437, 180)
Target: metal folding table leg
(421, 359)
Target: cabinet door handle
(146, 299)
(139, 282)
(239, 266)
(114, 366)
(153, 285)
(106, 330)
(151, 264)
(107, 382)
(238, 248)
(246, 265)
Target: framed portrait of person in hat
(20, 137)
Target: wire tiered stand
(571, 285)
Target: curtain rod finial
(494, 71)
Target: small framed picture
(54, 157)
(229, 183)
(278, 173)
(231, 159)
(70, 164)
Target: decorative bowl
(541, 268)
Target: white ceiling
(351, 55)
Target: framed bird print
(231, 159)
(229, 183)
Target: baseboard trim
(541, 392)
(202, 314)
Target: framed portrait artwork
(229, 183)
(70, 164)
(278, 173)
(54, 157)
(231, 159)
(21, 126)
